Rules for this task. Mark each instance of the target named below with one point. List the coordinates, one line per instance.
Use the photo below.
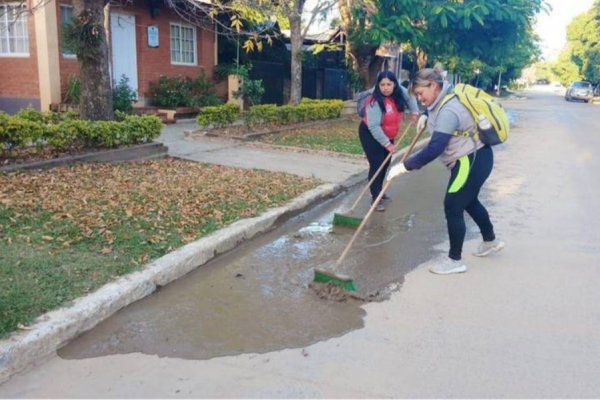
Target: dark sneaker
(386, 197)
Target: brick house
(144, 44)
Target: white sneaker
(487, 248)
(446, 265)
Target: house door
(124, 60)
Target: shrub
(142, 129)
(50, 117)
(17, 132)
(30, 114)
(307, 110)
(202, 92)
(251, 91)
(169, 92)
(262, 114)
(68, 133)
(106, 134)
(217, 116)
(73, 93)
(123, 96)
(183, 92)
(287, 114)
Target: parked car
(558, 88)
(597, 90)
(579, 90)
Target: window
(14, 40)
(66, 18)
(183, 44)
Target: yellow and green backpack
(479, 103)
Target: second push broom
(329, 275)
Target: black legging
(376, 154)
(466, 179)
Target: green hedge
(218, 116)
(62, 131)
(271, 114)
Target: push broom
(328, 275)
(347, 219)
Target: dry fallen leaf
(156, 196)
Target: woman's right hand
(390, 147)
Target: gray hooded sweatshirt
(453, 117)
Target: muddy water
(256, 299)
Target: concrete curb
(56, 328)
(136, 152)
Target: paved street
(523, 323)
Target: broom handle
(376, 201)
(387, 158)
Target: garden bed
(244, 132)
(66, 232)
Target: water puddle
(256, 299)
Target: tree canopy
(580, 58)
(488, 36)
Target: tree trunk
(96, 86)
(296, 39)
(363, 58)
(364, 71)
(421, 58)
(364, 62)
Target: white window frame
(195, 44)
(5, 34)
(64, 52)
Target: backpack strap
(444, 101)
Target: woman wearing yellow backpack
(469, 160)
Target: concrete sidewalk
(326, 166)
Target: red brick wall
(154, 62)
(19, 75)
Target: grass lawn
(67, 231)
(339, 136)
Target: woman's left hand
(390, 147)
(398, 169)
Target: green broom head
(343, 281)
(346, 220)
